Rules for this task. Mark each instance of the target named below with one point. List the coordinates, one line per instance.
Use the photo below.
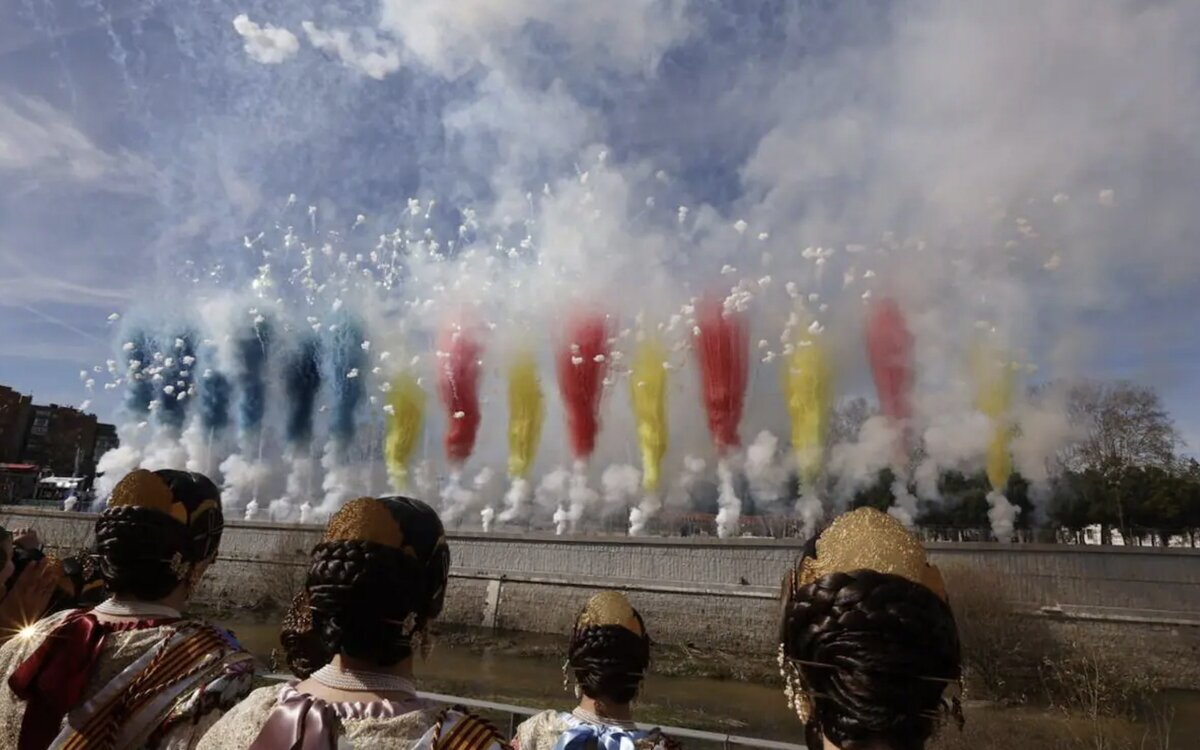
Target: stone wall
(696, 590)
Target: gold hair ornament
(863, 539)
(365, 520)
(610, 608)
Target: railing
(514, 714)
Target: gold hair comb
(610, 608)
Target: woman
(132, 671)
(868, 646)
(608, 656)
(374, 584)
(26, 593)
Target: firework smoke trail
(347, 358)
(526, 410)
(244, 471)
(648, 396)
(204, 436)
(458, 374)
(721, 343)
(174, 360)
(889, 348)
(301, 383)
(582, 361)
(137, 352)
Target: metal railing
(514, 715)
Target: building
(53, 440)
(16, 410)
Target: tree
(1123, 425)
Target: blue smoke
(346, 355)
(139, 392)
(301, 381)
(175, 390)
(250, 350)
(215, 393)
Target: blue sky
(135, 135)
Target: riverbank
(721, 692)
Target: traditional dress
(582, 730)
(281, 718)
(77, 682)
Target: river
(729, 706)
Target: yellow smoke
(808, 388)
(993, 397)
(525, 412)
(648, 394)
(407, 402)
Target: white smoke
(343, 480)
(485, 518)
(204, 450)
(621, 484)
(265, 44)
(858, 464)
(767, 469)
(243, 479)
(904, 508)
(165, 451)
(1003, 516)
(811, 512)
(691, 472)
(954, 441)
(645, 512)
(580, 497)
(516, 501)
(729, 505)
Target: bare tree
(1123, 425)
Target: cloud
(361, 49)
(267, 44)
(44, 145)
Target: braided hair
(371, 589)
(609, 660)
(157, 527)
(875, 653)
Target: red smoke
(458, 386)
(889, 345)
(722, 355)
(582, 362)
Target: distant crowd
(99, 653)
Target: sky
(138, 135)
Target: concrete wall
(692, 590)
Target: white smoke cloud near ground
(1029, 166)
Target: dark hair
(875, 652)
(609, 661)
(368, 599)
(302, 649)
(137, 545)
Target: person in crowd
(23, 598)
(869, 650)
(131, 672)
(375, 583)
(608, 656)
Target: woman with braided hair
(375, 582)
(131, 672)
(608, 656)
(869, 649)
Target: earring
(426, 646)
(566, 680)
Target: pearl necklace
(592, 718)
(361, 681)
(144, 610)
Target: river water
(727, 706)
(537, 681)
